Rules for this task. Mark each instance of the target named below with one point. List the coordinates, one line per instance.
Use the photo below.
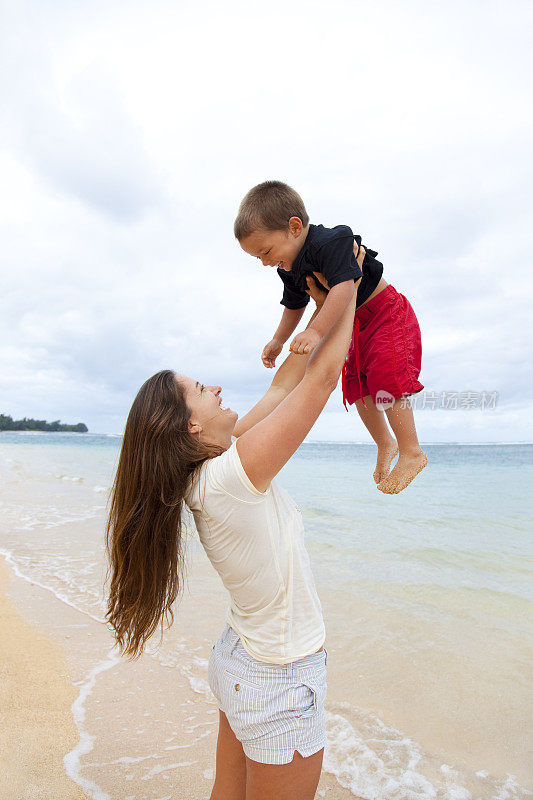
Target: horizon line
(315, 441)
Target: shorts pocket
(241, 694)
(245, 703)
(304, 700)
(242, 679)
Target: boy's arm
(289, 375)
(289, 321)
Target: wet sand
(36, 694)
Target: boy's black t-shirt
(329, 251)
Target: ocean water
(427, 598)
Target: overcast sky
(132, 130)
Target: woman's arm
(287, 376)
(268, 445)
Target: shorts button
(237, 687)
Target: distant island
(9, 424)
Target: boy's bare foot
(386, 454)
(407, 467)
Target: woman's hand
(318, 294)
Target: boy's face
(276, 248)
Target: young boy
(384, 359)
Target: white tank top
(255, 541)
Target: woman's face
(209, 420)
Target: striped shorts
(273, 709)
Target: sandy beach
(38, 691)
(36, 694)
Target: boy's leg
(376, 424)
(411, 459)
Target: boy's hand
(270, 353)
(305, 342)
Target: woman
(268, 668)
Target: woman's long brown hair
(144, 529)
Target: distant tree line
(9, 424)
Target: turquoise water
(465, 522)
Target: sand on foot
(386, 455)
(405, 470)
(36, 724)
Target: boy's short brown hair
(269, 207)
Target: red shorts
(386, 350)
